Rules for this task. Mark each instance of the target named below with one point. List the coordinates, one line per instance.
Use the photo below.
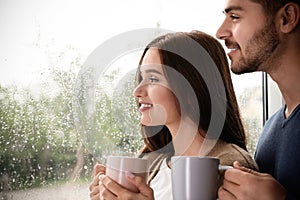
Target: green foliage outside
(35, 137)
(39, 143)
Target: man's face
(249, 34)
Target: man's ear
(289, 15)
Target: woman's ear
(289, 15)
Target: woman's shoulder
(228, 153)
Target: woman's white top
(162, 183)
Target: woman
(188, 107)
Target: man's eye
(234, 17)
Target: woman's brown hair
(158, 138)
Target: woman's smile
(145, 106)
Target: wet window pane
(248, 88)
(52, 131)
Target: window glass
(248, 88)
(45, 152)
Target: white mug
(116, 166)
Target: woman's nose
(139, 91)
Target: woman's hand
(94, 186)
(110, 190)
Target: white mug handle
(224, 167)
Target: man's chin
(237, 69)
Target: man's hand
(246, 184)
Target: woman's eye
(153, 79)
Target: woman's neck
(187, 139)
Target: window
(248, 88)
(43, 46)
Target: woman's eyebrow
(153, 71)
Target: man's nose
(224, 31)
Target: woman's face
(158, 105)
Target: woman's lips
(145, 106)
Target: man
(264, 35)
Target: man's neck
(288, 81)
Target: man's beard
(258, 50)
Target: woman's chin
(149, 123)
